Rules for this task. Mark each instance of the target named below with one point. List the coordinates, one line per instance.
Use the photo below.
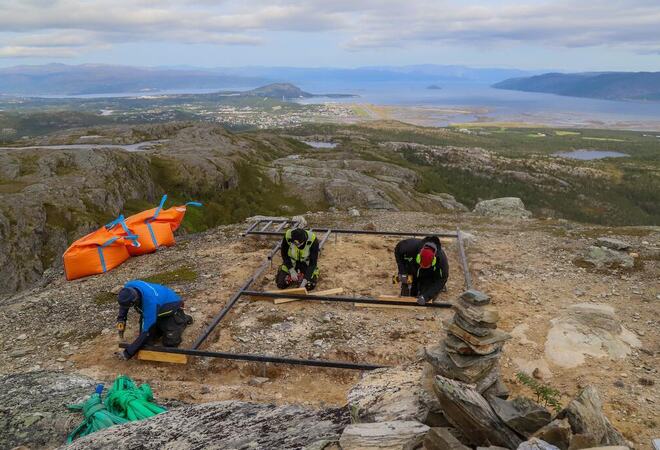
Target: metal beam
(341, 299)
(463, 257)
(343, 231)
(263, 358)
(325, 238)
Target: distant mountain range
(61, 79)
(603, 85)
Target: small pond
(320, 144)
(590, 154)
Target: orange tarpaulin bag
(155, 227)
(98, 252)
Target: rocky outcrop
(223, 425)
(511, 207)
(50, 197)
(33, 407)
(342, 181)
(391, 435)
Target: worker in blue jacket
(161, 315)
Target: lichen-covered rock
(33, 409)
(392, 435)
(602, 257)
(223, 425)
(512, 207)
(614, 244)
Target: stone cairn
(473, 346)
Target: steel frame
(244, 290)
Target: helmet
(299, 237)
(127, 297)
(427, 256)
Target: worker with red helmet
(423, 268)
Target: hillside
(62, 193)
(609, 85)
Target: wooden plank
(148, 355)
(333, 291)
(395, 298)
(283, 291)
(373, 305)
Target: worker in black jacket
(300, 255)
(423, 268)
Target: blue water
(320, 144)
(498, 104)
(586, 155)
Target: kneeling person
(300, 255)
(423, 268)
(161, 315)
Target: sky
(527, 34)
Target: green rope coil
(96, 418)
(126, 400)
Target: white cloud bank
(62, 28)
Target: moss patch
(180, 275)
(105, 298)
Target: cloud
(30, 27)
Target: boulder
(588, 423)
(471, 414)
(223, 425)
(442, 439)
(557, 433)
(512, 207)
(614, 244)
(391, 435)
(522, 414)
(602, 257)
(536, 444)
(395, 393)
(33, 410)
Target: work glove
(121, 327)
(293, 274)
(421, 300)
(303, 283)
(121, 356)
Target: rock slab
(223, 425)
(471, 414)
(33, 407)
(522, 414)
(391, 435)
(589, 425)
